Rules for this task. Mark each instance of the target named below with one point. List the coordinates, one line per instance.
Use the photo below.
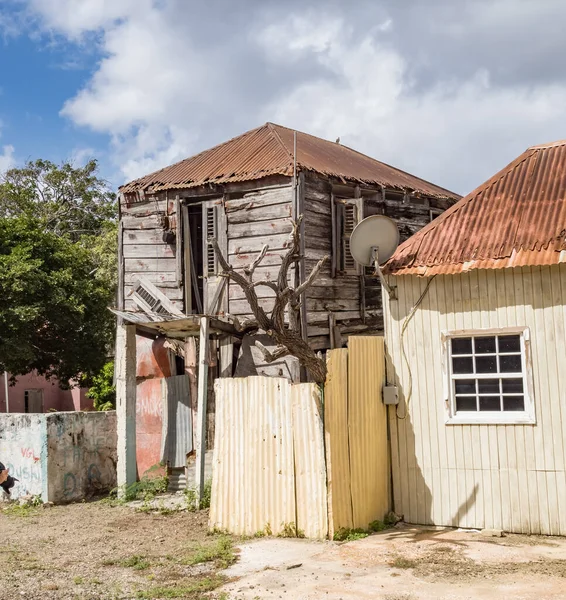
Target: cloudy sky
(450, 90)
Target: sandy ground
(94, 550)
(403, 564)
(98, 551)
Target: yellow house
(476, 345)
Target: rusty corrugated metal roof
(516, 218)
(268, 150)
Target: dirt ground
(95, 550)
(99, 551)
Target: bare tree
(287, 299)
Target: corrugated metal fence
(268, 467)
(273, 472)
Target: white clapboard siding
(511, 477)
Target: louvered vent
(151, 300)
(211, 232)
(349, 222)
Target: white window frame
(525, 417)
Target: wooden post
(126, 406)
(201, 409)
(192, 371)
(226, 356)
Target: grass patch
(28, 509)
(402, 562)
(191, 590)
(350, 535)
(191, 497)
(290, 530)
(220, 552)
(137, 562)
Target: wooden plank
(249, 245)
(135, 223)
(179, 244)
(145, 209)
(144, 236)
(202, 396)
(187, 260)
(161, 279)
(254, 229)
(170, 290)
(269, 212)
(226, 357)
(150, 251)
(121, 269)
(191, 369)
(145, 265)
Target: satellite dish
(372, 232)
(373, 242)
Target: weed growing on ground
(191, 496)
(137, 562)
(192, 590)
(220, 552)
(349, 535)
(289, 530)
(402, 562)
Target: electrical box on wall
(390, 394)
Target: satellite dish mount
(373, 243)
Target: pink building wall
(53, 396)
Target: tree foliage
(102, 389)
(57, 270)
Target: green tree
(66, 199)
(53, 314)
(102, 389)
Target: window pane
(488, 386)
(513, 403)
(509, 343)
(490, 403)
(486, 364)
(510, 364)
(512, 386)
(462, 365)
(461, 345)
(465, 386)
(466, 404)
(485, 345)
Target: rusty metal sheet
(516, 218)
(268, 150)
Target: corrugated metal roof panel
(516, 218)
(268, 150)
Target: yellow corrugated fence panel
(367, 421)
(337, 446)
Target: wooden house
(476, 346)
(244, 193)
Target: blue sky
(448, 90)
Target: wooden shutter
(210, 230)
(349, 221)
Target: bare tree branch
(287, 299)
(270, 357)
(250, 270)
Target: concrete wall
(53, 396)
(23, 450)
(62, 457)
(81, 454)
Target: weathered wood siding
(145, 252)
(511, 477)
(353, 299)
(253, 220)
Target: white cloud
(7, 160)
(444, 134)
(169, 84)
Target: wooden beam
(226, 356)
(192, 371)
(201, 409)
(126, 406)
(179, 242)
